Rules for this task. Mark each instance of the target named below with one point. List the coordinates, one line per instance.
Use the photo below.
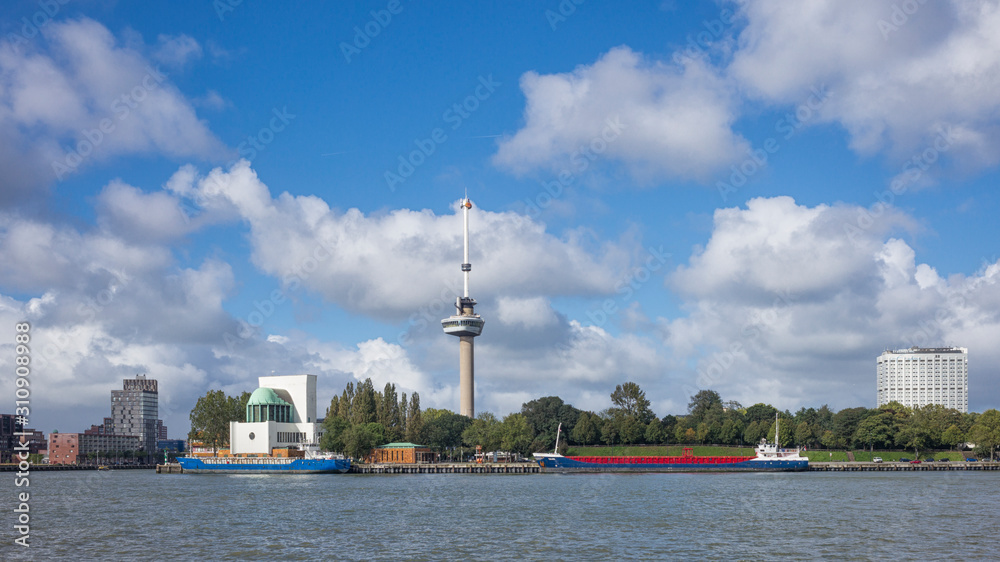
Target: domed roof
(264, 396)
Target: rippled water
(130, 514)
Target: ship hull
(223, 465)
(668, 464)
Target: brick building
(402, 453)
(63, 447)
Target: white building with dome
(280, 414)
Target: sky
(751, 197)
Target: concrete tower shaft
(465, 324)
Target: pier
(446, 468)
(901, 466)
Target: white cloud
(896, 78)
(80, 95)
(176, 50)
(675, 119)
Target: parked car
(877, 459)
(917, 461)
(943, 460)
(904, 459)
(970, 459)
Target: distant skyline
(751, 197)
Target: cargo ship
(310, 464)
(769, 457)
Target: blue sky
(743, 196)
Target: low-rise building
(402, 453)
(64, 448)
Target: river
(139, 514)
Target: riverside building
(919, 376)
(134, 411)
(281, 414)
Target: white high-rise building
(918, 376)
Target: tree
(364, 408)
(631, 401)
(516, 434)
(916, 434)
(731, 432)
(761, 413)
(484, 431)
(414, 420)
(829, 440)
(702, 403)
(874, 430)
(845, 423)
(388, 412)
(210, 419)
(952, 436)
(654, 432)
(755, 431)
(804, 433)
(359, 441)
(333, 430)
(587, 429)
(985, 433)
(442, 429)
(544, 415)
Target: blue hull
(565, 464)
(224, 465)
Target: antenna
(466, 266)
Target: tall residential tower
(465, 324)
(918, 376)
(134, 411)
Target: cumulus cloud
(392, 266)
(81, 95)
(784, 306)
(659, 119)
(898, 75)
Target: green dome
(266, 397)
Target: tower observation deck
(466, 325)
